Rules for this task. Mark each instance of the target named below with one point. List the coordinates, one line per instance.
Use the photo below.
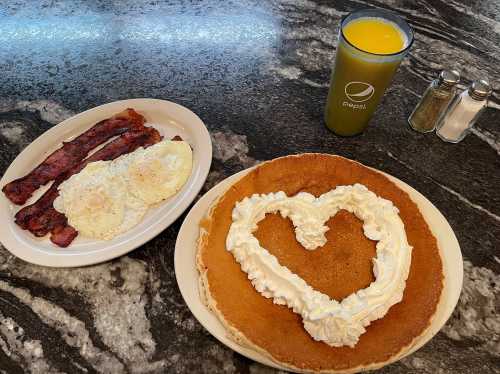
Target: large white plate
(187, 273)
(169, 119)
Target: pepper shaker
(434, 102)
(464, 111)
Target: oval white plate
(169, 119)
(187, 273)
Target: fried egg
(158, 172)
(107, 198)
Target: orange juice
(375, 35)
(369, 52)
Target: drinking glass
(360, 78)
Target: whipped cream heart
(337, 323)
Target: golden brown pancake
(342, 266)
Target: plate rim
(447, 303)
(67, 259)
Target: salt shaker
(463, 112)
(434, 102)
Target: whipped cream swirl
(333, 322)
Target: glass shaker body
(461, 116)
(434, 102)
(463, 112)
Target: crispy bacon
(41, 218)
(126, 143)
(46, 222)
(71, 153)
(62, 236)
(23, 216)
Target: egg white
(93, 200)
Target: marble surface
(257, 74)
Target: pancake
(342, 266)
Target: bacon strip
(41, 218)
(63, 235)
(72, 152)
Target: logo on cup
(359, 92)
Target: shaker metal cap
(480, 89)
(449, 78)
